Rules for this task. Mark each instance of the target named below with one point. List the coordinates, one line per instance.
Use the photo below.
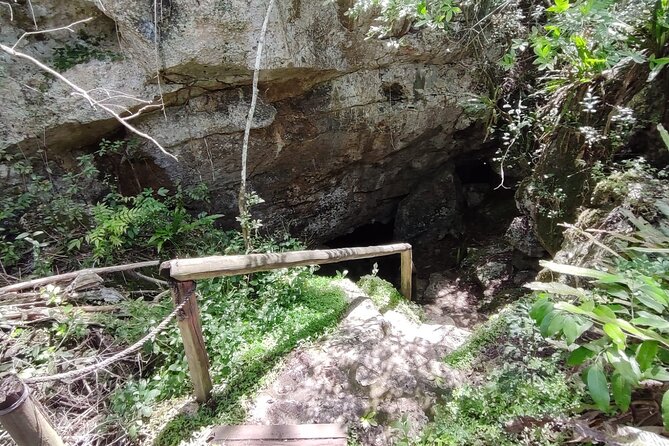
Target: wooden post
(406, 268)
(21, 418)
(191, 333)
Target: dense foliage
(625, 314)
(52, 221)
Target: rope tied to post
(76, 374)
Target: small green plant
(483, 337)
(85, 49)
(149, 219)
(386, 297)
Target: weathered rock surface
(521, 236)
(345, 126)
(614, 203)
(381, 364)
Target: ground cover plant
(518, 392)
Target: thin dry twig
(78, 91)
(52, 30)
(11, 10)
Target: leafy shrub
(126, 223)
(625, 310)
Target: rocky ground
(376, 367)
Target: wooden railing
(182, 274)
(28, 426)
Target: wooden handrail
(182, 274)
(215, 266)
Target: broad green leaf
(649, 301)
(624, 365)
(573, 329)
(604, 311)
(540, 309)
(616, 334)
(598, 388)
(582, 272)
(657, 373)
(622, 391)
(665, 410)
(578, 356)
(650, 320)
(546, 321)
(569, 329)
(555, 325)
(646, 353)
(555, 288)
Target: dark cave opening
(374, 233)
(476, 171)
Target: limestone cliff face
(345, 127)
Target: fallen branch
(23, 317)
(69, 276)
(102, 365)
(157, 282)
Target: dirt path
(374, 370)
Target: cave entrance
(375, 233)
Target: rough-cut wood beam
(215, 266)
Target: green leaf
(649, 302)
(665, 410)
(570, 330)
(540, 309)
(616, 334)
(645, 354)
(622, 391)
(559, 7)
(555, 288)
(624, 365)
(582, 272)
(578, 356)
(650, 320)
(598, 388)
(604, 311)
(664, 134)
(657, 373)
(555, 325)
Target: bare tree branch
(11, 10)
(243, 199)
(62, 28)
(88, 95)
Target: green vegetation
(518, 393)
(51, 223)
(85, 49)
(248, 328)
(625, 311)
(386, 297)
(481, 339)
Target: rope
(80, 373)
